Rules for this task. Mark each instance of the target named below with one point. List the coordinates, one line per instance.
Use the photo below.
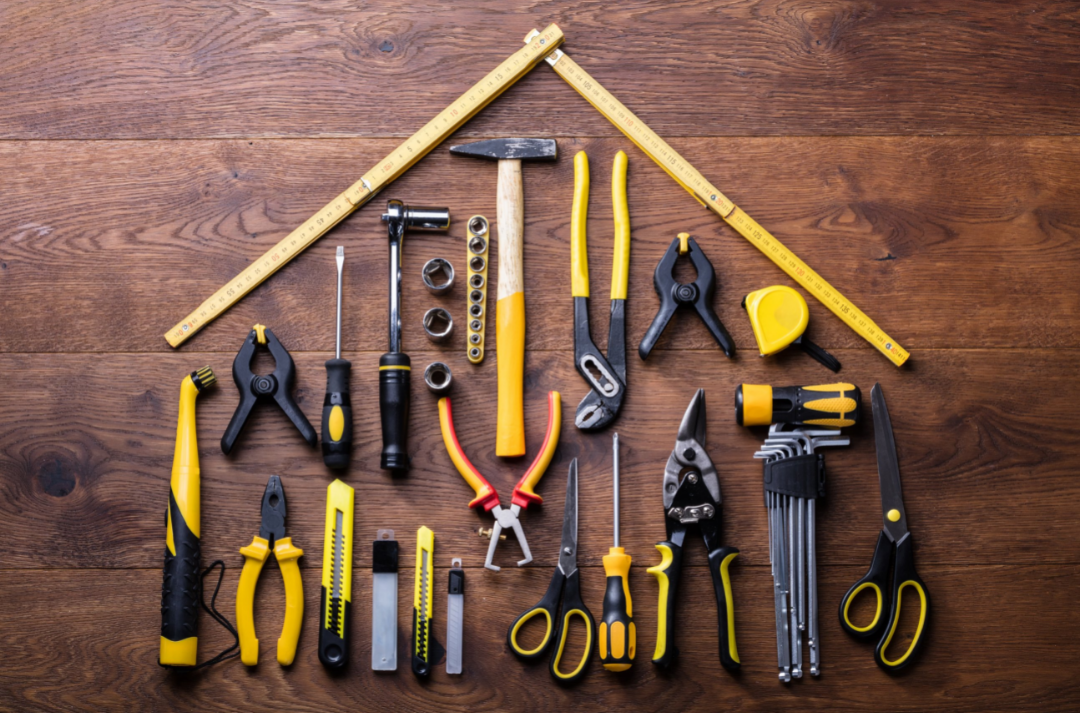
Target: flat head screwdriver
(617, 634)
(337, 406)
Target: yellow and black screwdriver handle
(618, 635)
(829, 405)
(877, 581)
(667, 576)
(180, 587)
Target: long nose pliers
(270, 540)
(605, 375)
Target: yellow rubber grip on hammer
(579, 255)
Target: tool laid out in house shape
(710, 196)
(381, 175)
(275, 386)
(894, 544)
(605, 375)
(691, 493)
(524, 491)
(565, 587)
(271, 540)
(696, 295)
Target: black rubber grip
(667, 604)
(615, 612)
(334, 649)
(336, 453)
(394, 383)
(180, 582)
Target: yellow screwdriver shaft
(618, 639)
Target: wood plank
(1012, 613)
(105, 245)
(133, 69)
(989, 470)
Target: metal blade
(568, 547)
(455, 627)
(693, 426)
(339, 555)
(892, 499)
(384, 598)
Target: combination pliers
(692, 498)
(270, 540)
(605, 375)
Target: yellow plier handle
(255, 556)
(620, 264)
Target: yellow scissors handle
(511, 636)
(904, 576)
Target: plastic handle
(485, 494)
(667, 576)
(337, 420)
(875, 580)
(617, 636)
(904, 575)
(524, 491)
(620, 263)
(719, 561)
(255, 556)
(510, 364)
(394, 380)
(287, 555)
(572, 607)
(579, 254)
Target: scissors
(565, 585)
(894, 543)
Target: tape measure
(710, 196)
(517, 65)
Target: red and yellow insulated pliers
(523, 492)
(270, 540)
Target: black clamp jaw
(276, 386)
(674, 294)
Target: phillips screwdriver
(337, 407)
(830, 405)
(617, 634)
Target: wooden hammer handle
(510, 311)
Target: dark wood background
(922, 156)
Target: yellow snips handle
(557, 660)
(522, 620)
(579, 255)
(620, 264)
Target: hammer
(510, 307)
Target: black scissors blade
(568, 547)
(892, 498)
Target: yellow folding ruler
(710, 196)
(396, 163)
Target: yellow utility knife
(426, 651)
(336, 605)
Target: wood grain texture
(92, 669)
(133, 69)
(136, 234)
(923, 157)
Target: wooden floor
(922, 156)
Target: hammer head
(513, 149)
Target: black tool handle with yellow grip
(719, 561)
(337, 420)
(617, 635)
(180, 586)
(667, 576)
(875, 581)
(904, 575)
(828, 405)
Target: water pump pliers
(697, 295)
(605, 375)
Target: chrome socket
(438, 324)
(438, 379)
(438, 275)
